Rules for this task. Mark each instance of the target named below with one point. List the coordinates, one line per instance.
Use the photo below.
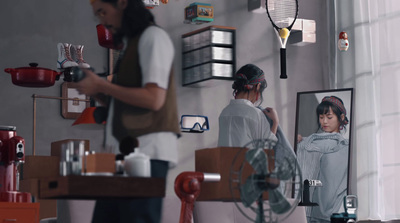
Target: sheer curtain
(371, 66)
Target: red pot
(105, 38)
(33, 76)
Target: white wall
(256, 43)
(30, 31)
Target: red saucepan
(33, 76)
(105, 38)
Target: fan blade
(278, 202)
(286, 169)
(258, 160)
(250, 191)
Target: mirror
(322, 145)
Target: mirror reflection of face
(329, 122)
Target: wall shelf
(208, 54)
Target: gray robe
(324, 157)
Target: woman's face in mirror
(329, 121)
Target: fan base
(307, 204)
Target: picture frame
(72, 103)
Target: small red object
(33, 76)
(12, 153)
(343, 42)
(105, 38)
(342, 35)
(187, 188)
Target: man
(141, 100)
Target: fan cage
(291, 188)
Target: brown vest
(135, 121)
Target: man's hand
(89, 84)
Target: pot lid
(33, 66)
(7, 128)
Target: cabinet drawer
(19, 213)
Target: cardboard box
(56, 146)
(309, 26)
(221, 160)
(48, 208)
(100, 162)
(40, 166)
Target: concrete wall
(30, 31)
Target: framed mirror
(322, 145)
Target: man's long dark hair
(136, 18)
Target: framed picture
(73, 103)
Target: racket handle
(283, 64)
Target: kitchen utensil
(12, 154)
(77, 74)
(105, 38)
(71, 158)
(33, 76)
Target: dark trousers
(142, 210)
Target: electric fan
(267, 186)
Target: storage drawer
(19, 212)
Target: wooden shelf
(100, 187)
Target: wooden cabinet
(19, 212)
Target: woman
(241, 121)
(323, 156)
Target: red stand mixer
(12, 154)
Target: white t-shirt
(241, 122)
(156, 53)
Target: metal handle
(283, 64)
(212, 177)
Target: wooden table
(100, 187)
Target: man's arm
(150, 96)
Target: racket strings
(282, 13)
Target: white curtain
(371, 66)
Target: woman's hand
(299, 138)
(273, 115)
